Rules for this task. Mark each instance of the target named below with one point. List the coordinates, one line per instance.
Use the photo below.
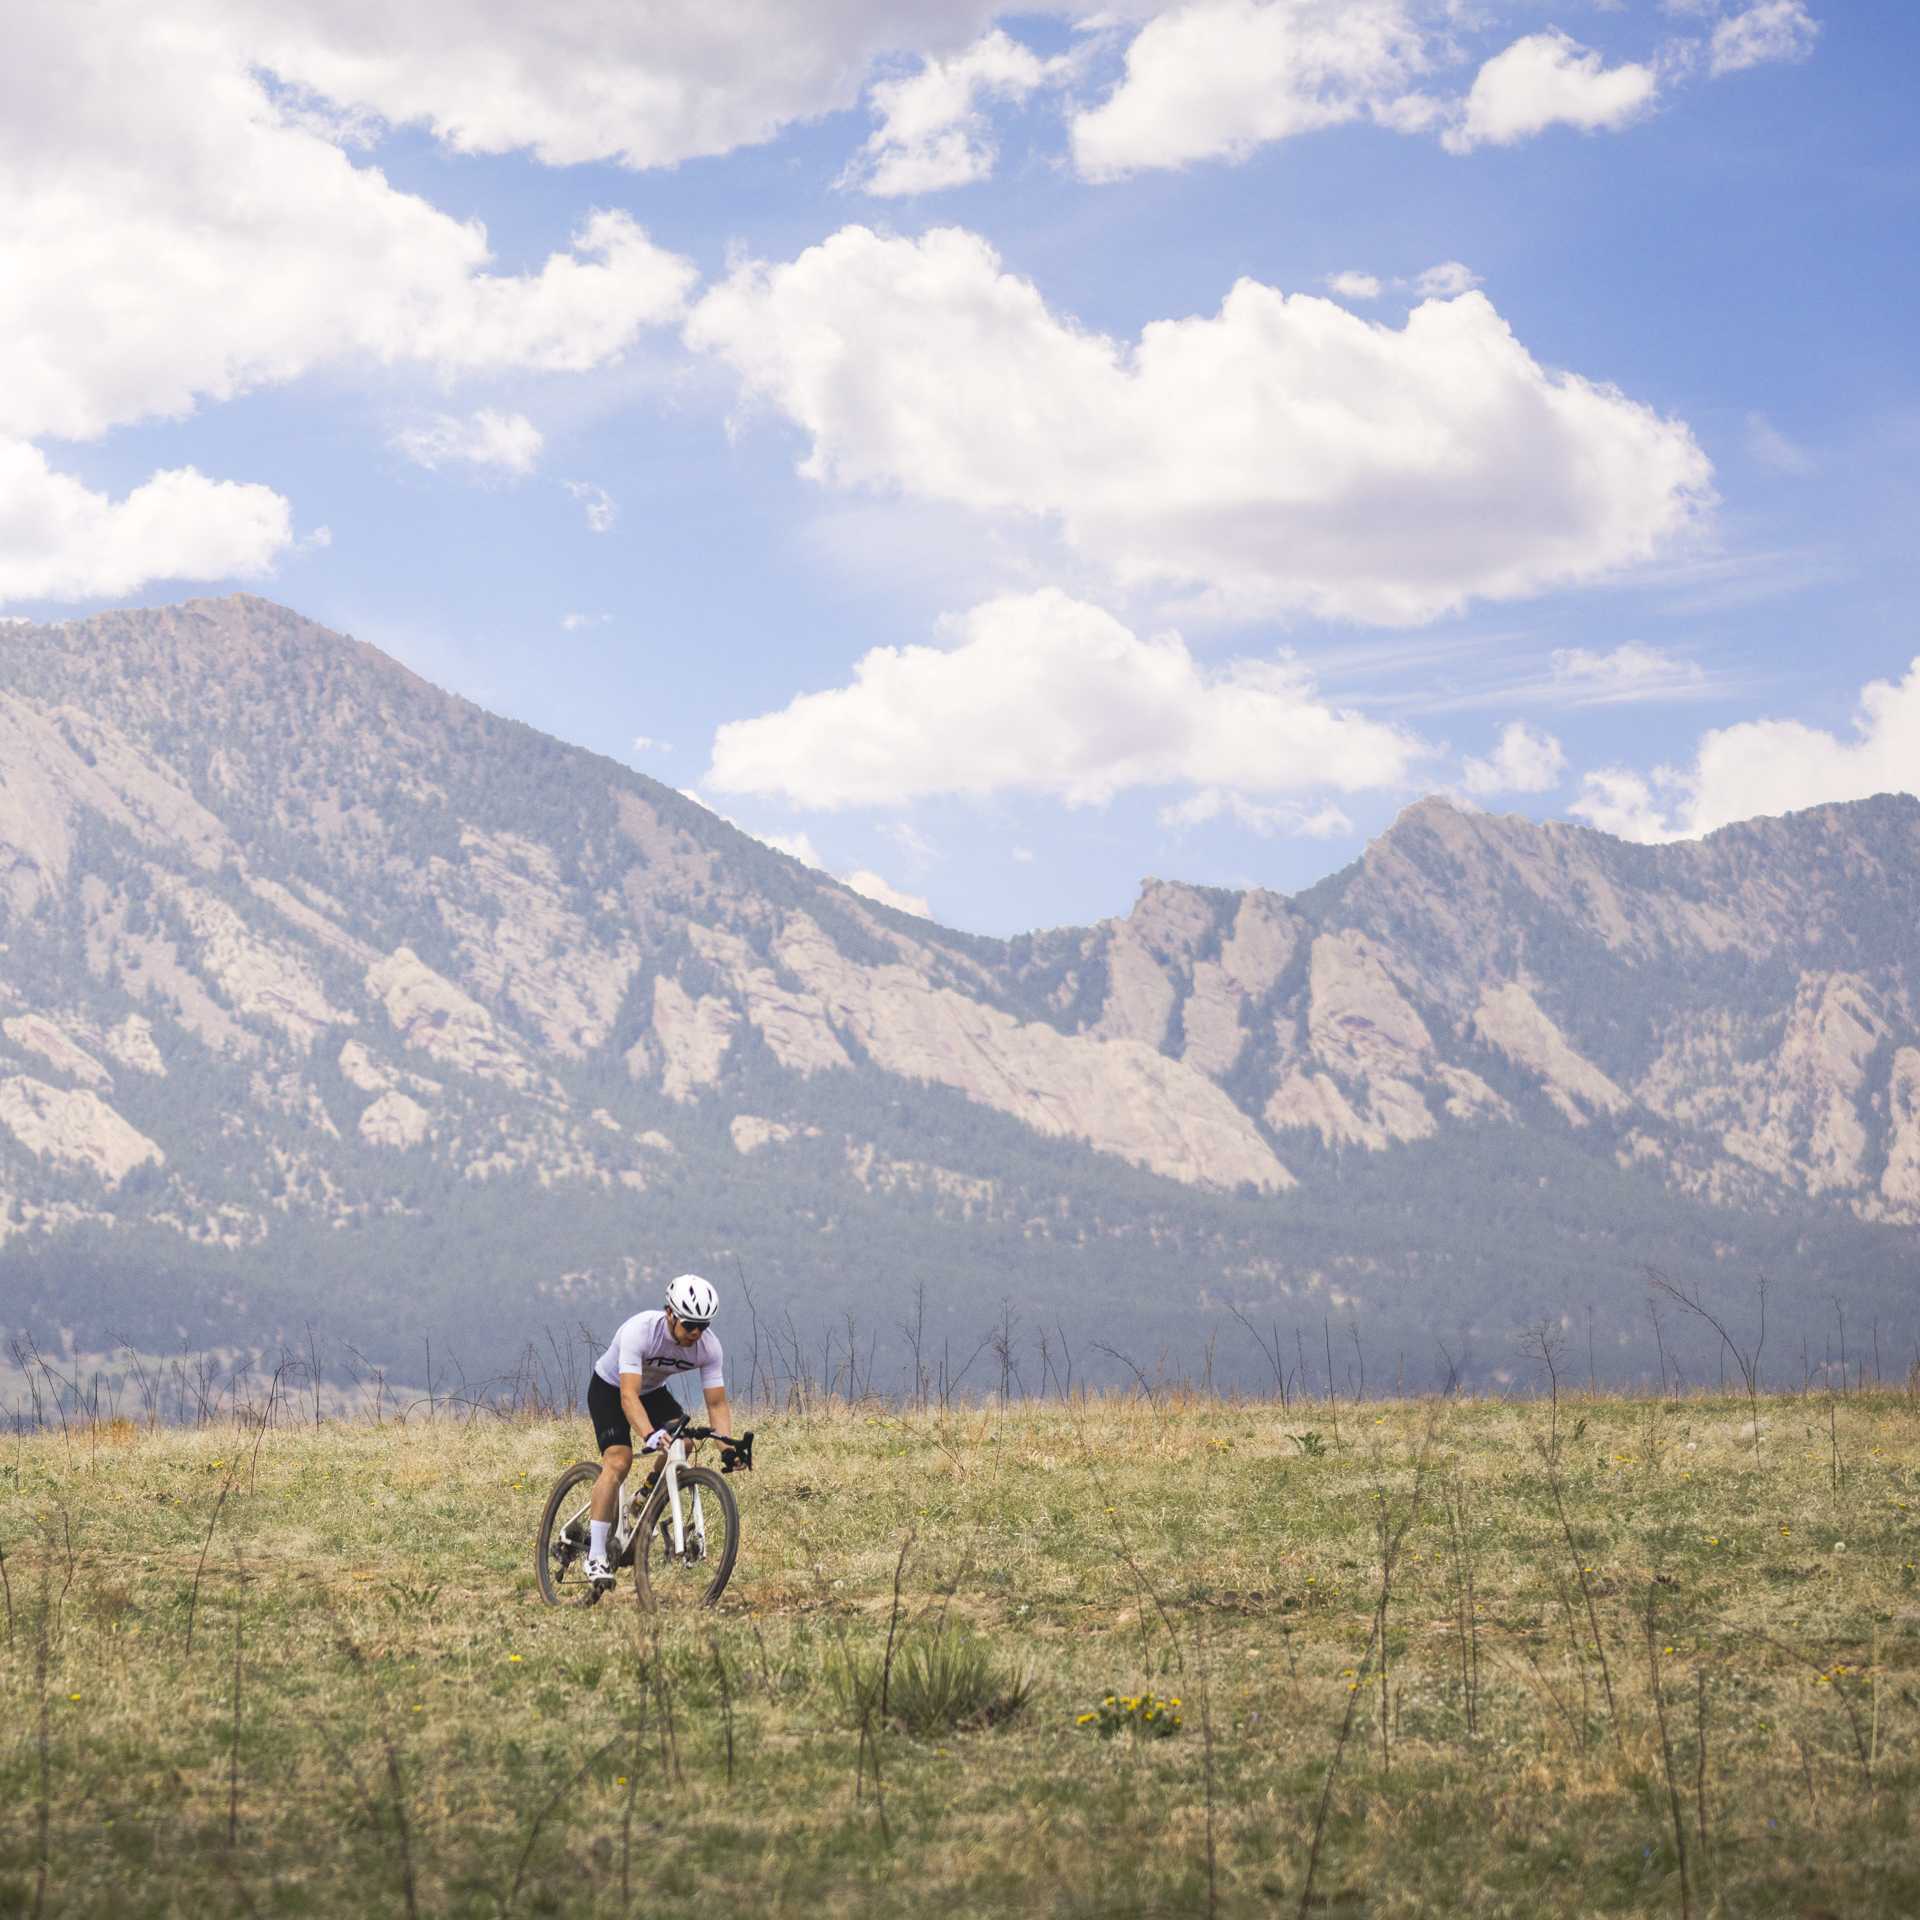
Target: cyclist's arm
(631, 1407)
(719, 1413)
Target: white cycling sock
(597, 1541)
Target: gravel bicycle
(680, 1532)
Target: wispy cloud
(1773, 30)
(1324, 822)
(507, 443)
(1771, 448)
(1571, 678)
(600, 507)
(1445, 280)
(1714, 583)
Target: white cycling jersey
(644, 1346)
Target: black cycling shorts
(609, 1418)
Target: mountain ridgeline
(328, 998)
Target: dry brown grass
(407, 1707)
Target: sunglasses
(693, 1326)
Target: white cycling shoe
(599, 1575)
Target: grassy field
(1454, 1657)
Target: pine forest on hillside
(340, 1016)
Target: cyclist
(627, 1394)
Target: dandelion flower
(513, 1659)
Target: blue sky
(1000, 456)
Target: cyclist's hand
(658, 1441)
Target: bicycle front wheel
(686, 1567)
(560, 1546)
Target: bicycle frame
(630, 1508)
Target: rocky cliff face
(1739, 1013)
(289, 938)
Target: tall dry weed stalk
(1580, 1571)
(1666, 1748)
(233, 1745)
(548, 1808)
(43, 1742)
(193, 1593)
(1460, 1546)
(395, 1809)
(1700, 1753)
(725, 1681)
(1391, 1543)
(1747, 1362)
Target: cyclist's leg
(615, 1440)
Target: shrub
(940, 1683)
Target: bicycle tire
(663, 1585)
(566, 1586)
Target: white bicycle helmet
(692, 1300)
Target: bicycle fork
(678, 1524)
(629, 1520)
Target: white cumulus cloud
(1282, 453)
(933, 132)
(645, 85)
(1623, 803)
(174, 221)
(507, 441)
(1041, 693)
(1214, 79)
(1773, 30)
(174, 233)
(61, 540)
(1546, 80)
(1446, 281)
(1351, 285)
(1527, 760)
(1768, 767)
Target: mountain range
(327, 997)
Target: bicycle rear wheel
(560, 1546)
(693, 1575)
